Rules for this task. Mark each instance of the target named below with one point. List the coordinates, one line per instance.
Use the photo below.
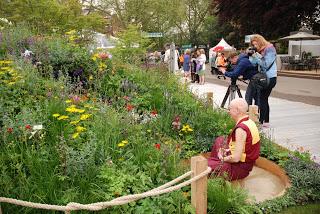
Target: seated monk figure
(235, 155)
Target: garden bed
(86, 128)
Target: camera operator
(241, 66)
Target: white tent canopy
(225, 45)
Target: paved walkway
(294, 125)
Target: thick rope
(163, 186)
(118, 201)
(141, 195)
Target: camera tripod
(231, 93)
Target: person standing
(202, 62)
(194, 75)
(221, 63)
(266, 58)
(213, 62)
(186, 64)
(168, 58)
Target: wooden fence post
(210, 99)
(199, 187)
(253, 113)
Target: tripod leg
(238, 91)
(226, 97)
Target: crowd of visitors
(260, 58)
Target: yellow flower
(90, 77)
(75, 135)
(63, 117)
(5, 68)
(71, 109)
(124, 142)
(85, 116)
(56, 115)
(80, 128)
(88, 106)
(186, 128)
(74, 122)
(68, 101)
(121, 144)
(71, 32)
(5, 61)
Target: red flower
(177, 119)
(157, 146)
(154, 113)
(28, 126)
(10, 130)
(129, 107)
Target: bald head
(238, 108)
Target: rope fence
(198, 181)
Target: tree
(179, 20)
(44, 16)
(271, 18)
(131, 46)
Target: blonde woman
(266, 58)
(202, 62)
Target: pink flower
(126, 98)
(76, 99)
(176, 123)
(10, 130)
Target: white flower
(37, 127)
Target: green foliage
(48, 16)
(304, 175)
(226, 198)
(131, 46)
(14, 40)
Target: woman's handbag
(260, 79)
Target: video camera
(251, 51)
